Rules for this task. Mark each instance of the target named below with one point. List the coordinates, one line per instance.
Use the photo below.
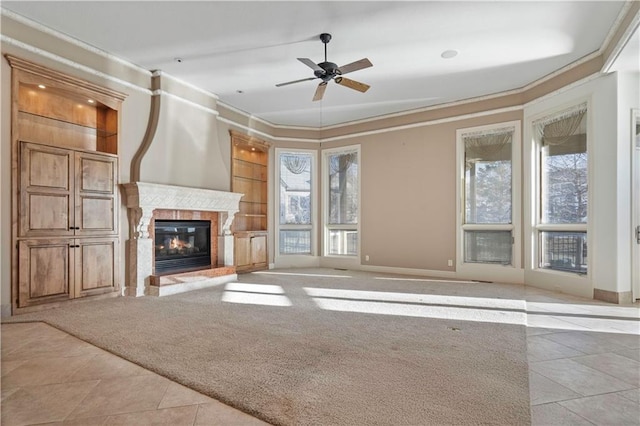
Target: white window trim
(283, 259)
(569, 282)
(325, 204)
(492, 272)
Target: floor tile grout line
(577, 414)
(561, 344)
(590, 368)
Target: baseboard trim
(619, 298)
(5, 311)
(410, 271)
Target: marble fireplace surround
(141, 199)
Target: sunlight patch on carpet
(255, 288)
(502, 311)
(425, 280)
(255, 294)
(302, 275)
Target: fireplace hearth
(182, 246)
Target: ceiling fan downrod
(325, 38)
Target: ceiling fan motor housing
(330, 71)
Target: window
(487, 228)
(295, 195)
(343, 199)
(561, 228)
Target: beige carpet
(370, 356)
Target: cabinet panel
(95, 194)
(259, 250)
(96, 174)
(47, 169)
(96, 266)
(242, 247)
(46, 191)
(95, 214)
(44, 272)
(250, 251)
(47, 213)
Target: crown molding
(160, 73)
(64, 61)
(74, 41)
(622, 42)
(201, 107)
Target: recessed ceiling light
(448, 54)
(240, 92)
(42, 86)
(90, 101)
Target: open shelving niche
(249, 176)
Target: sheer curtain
(493, 145)
(296, 164)
(559, 129)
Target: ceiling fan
(327, 71)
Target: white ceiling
(239, 46)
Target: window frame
(485, 270)
(313, 227)
(327, 227)
(537, 225)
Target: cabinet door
(242, 249)
(95, 266)
(44, 271)
(46, 191)
(259, 250)
(95, 194)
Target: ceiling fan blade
(308, 62)
(352, 84)
(320, 91)
(295, 81)
(355, 66)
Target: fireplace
(182, 245)
(148, 203)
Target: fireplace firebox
(182, 246)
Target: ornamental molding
(142, 198)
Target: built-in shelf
(249, 176)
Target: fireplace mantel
(141, 199)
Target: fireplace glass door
(182, 245)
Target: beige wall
(186, 149)
(408, 193)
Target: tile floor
(584, 361)
(584, 369)
(50, 377)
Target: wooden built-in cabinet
(249, 172)
(65, 180)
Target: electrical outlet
(450, 262)
(366, 258)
